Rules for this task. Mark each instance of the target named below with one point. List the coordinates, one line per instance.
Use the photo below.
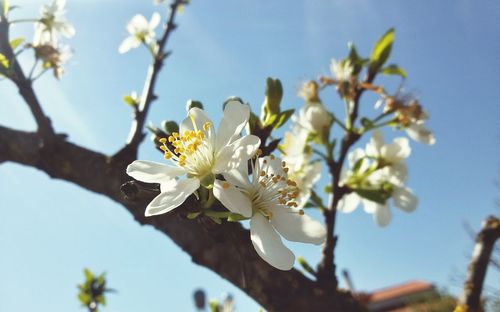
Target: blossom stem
(24, 20)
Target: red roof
(392, 292)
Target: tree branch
(24, 84)
(326, 268)
(485, 241)
(136, 134)
(212, 246)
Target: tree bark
(225, 249)
(470, 300)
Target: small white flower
(314, 117)
(402, 198)
(269, 199)
(298, 160)
(341, 70)
(199, 152)
(387, 169)
(419, 133)
(141, 31)
(51, 24)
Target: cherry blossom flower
(383, 177)
(51, 24)
(198, 152)
(268, 199)
(141, 31)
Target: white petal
(375, 145)
(233, 121)
(420, 134)
(404, 199)
(349, 203)
(129, 43)
(155, 20)
(238, 176)
(172, 197)
(382, 215)
(268, 244)
(398, 150)
(297, 228)
(153, 172)
(137, 24)
(238, 152)
(200, 118)
(271, 166)
(369, 206)
(233, 199)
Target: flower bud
(170, 126)
(199, 299)
(192, 103)
(274, 94)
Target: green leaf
(5, 7)
(283, 118)
(101, 299)
(373, 195)
(4, 61)
(129, 100)
(381, 51)
(394, 69)
(84, 298)
(215, 219)
(235, 217)
(193, 215)
(358, 165)
(367, 123)
(306, 266)
(89, 276)
(16, 43)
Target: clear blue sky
(50, 230)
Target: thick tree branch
(136, 134)
(485, 241)
(24, 84)
(217, 247)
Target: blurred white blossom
(51, 24)
(140, 31)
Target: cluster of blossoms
(377, 174)
(46, 41)
(218, 160)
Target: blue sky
(50, 230)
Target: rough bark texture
(226, 249)
(476, 272)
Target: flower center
(191, 149)
(272, 188)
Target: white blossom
(140, 31)
(314, 117)
(51, 24)
(268, 198)
(199, 152)
(342, 71)
(297, 155)
(381, 168)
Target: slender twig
(326, 269)
(136, 134)
(24, 84)
(485, 240)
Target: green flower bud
(170, 126)
(274, 94)
(192, 103)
